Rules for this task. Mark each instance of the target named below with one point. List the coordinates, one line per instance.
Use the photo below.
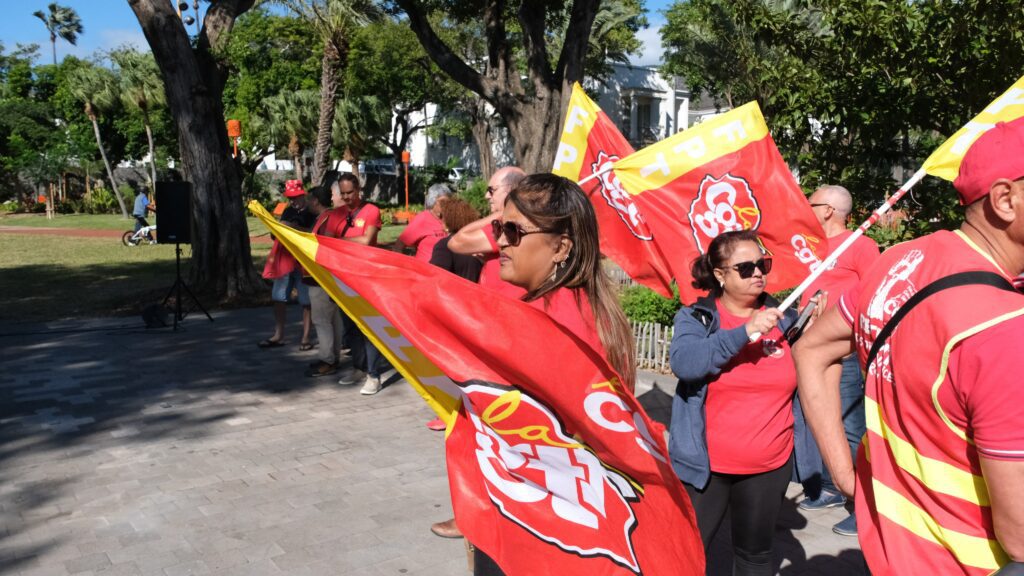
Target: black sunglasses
(513, 232)
(746, 269)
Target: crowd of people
(930, 410)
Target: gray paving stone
(213, 456)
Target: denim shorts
(282, 289)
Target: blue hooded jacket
(698, 353)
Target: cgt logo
(618, 198)
(803, 249)
(722, 205)
(548, 483)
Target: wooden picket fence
(652, 342)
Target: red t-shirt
(330, 222)
(749, 407)
(362, 217)
(490, 274)
(423, 232)
(848, 269)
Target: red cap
(293, 189)
(998, 153)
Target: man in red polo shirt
(426, 228)
(833, 205)
(939, 478)
(362, 223)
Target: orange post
(234, 132)
(405, 161)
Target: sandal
(268, 343)
(306, 346)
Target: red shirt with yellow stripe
(945, 389)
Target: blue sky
(111, 23)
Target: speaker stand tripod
(176, 289)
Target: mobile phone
(797, 329)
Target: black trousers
(483, 565)
(754, 501)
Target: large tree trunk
(329, 78)
(532, 107)
(194, 84)
(480, 127)
(103, 154)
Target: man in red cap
(285, 272)
(940, 328)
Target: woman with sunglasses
(548, 243)
(731, 433)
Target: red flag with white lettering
(590, 142)
(554, 467)
(724, 174)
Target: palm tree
(334, 21)
(291, 122)
(357, 116)
(94, 87)
(142, 88)
(62, 21)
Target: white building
(645, 106)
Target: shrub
(100, 201)
(476, 194)
(641, 304)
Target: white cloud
(651, 53)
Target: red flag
(724, 174)
(554, 466)
(590, 142)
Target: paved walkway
(126, 451)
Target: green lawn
(86, 221)
(112, 222)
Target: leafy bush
(641, 304)
(10, 206)
(387, 213)
(100, 201)
(476, 194)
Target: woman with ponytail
(731, 433)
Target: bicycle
(146, 234)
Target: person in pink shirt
(426, 228)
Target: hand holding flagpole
(827, 264)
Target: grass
(44, 277)
(113, 222)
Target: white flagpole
(881, 210)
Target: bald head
(501, 183)
(832, 205)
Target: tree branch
(441, 54)
(532, 15)
(577, 35)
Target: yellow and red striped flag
(555, 469)
(590, 143)
(721, 175)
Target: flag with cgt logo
(554, 467)
(724, 174)
(590, 143)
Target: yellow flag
(945, 161)
(580, 117)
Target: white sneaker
(351, 376)
(370, 386)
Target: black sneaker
(321, 369)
